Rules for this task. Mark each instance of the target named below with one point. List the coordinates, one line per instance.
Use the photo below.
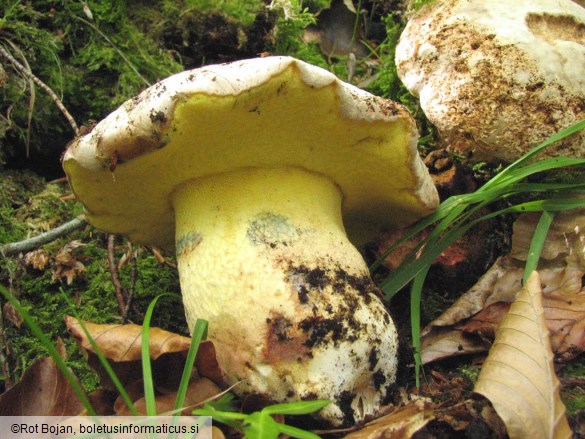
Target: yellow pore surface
(284, 122)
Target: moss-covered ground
(71, 272)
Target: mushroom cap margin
(292, 113)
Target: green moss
(93, 64)
(47, 297)
(417, 4)
(15, 190)
(573, 395)
(470, 373)
(244, 11)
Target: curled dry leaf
(565, 319)
(400, 424)
(123, 342)
(518, 375)
(69, 265)
(121, 345)
(12, 315)
(42, 391)
(464, 328)
(561, 274)
(564, 237)
(199, 391)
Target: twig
(32, 243)
(133, 273)
(22, 69)
(121, 293)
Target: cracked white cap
(497, 77)
(265, 112)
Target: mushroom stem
(263, 256)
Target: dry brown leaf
(564, 305)
(42, 391)
(400, 424)
(68, 264)
(199, 391)
(565, 319)
(102, 401)
(444, 343)
(123, 342)
(518, 376)
(12, 315)
(216, 433)
(564, 237)
(121, 345)
(485, 322)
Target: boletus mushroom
(247, 169)
(495, 77)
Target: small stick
(121, 293)
(133, 274)
(44, 238)
(26, 72)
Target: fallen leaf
(68, 264)
(12, 315)
(216, 433)
(479, 310)
(444, 343)
(206, 363)
(400, 424)
(565, 235)
(102, 401)
(199, 391)
(518, 375)
(135, 391)
(43, 390)
(121, 345)
(123, 342)
(565, 319)
(485, 322)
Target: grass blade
(534, 151)
(296, 408)
(149, 396)
(537, 243)
(415, 302)
(199, 333)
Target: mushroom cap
(264, 112)
(497, 77)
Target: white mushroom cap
(276, 111)
(498, 77)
